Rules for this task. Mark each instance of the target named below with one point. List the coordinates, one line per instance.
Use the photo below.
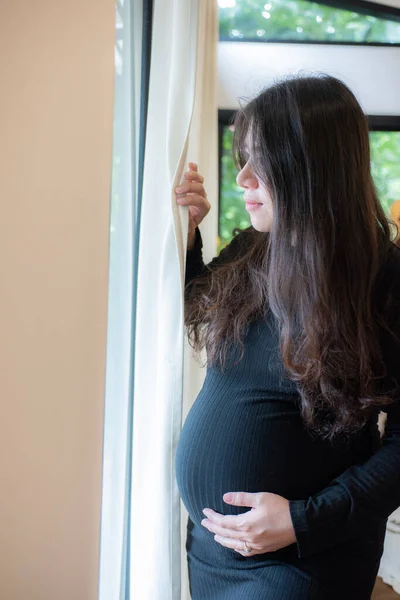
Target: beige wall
(56, 103)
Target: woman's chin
(260, 224)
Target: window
(305, 21)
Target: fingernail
(179, 189)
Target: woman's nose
(246, 179)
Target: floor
(383, 591)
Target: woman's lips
(249, 200)
(253, 205)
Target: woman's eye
(245, 157)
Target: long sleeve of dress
(361, 496)
(195, 266)
(194, 259)
(364, 494)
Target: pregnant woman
(280, 463)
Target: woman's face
(261, 214)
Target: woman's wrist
(191, 240)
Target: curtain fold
(203, 150)
(184, 42)
(165, 115)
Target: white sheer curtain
(143, 545)
(203, 150)
(181, 42)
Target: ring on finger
(246, 547)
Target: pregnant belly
(252, 446)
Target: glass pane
(113, 549)
(385, 167)
(301, 20)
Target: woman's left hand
(265, 528)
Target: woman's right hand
(192, 194)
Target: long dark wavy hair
(317, 269)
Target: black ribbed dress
(244, 433)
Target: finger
(234, 522)
(190, 186)
(194, 176)
(193, 166)
(191, 200)
(233, 544)
(244, 498)
(222, 531)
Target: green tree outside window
(302, 21)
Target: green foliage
(301, 20)
(385, 168)
(232, 208)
